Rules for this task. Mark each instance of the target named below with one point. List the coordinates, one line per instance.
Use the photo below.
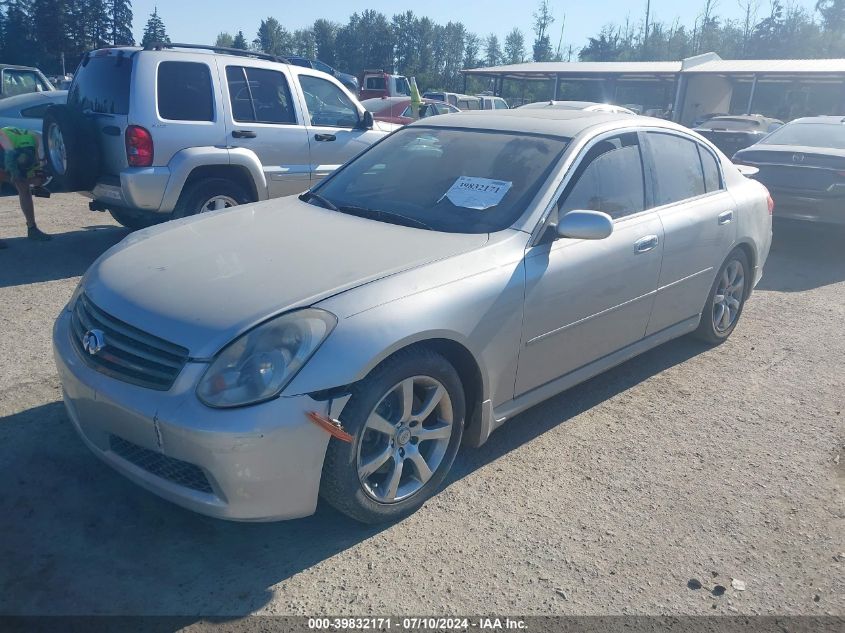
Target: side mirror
(366, 121)
(585, 225)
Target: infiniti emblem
(798, 158)
(93, 341)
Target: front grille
(169, 468)
(128, 354)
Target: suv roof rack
(157, 46)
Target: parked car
(733, 133)
(490, 102)
(26, 111)
(174, 130)
(345, 343)
(587, 106)
(706, 117)
(460, 101)
(350, 81)
(399, 110)
(377, 83)
(18, 80)
(803, 165)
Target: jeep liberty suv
(172, 130)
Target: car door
(262, 117)
(333, 124)
(698, 216)
(585, 299)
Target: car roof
(17, 67)
(563, 123)
(831, 119)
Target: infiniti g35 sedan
(344, 343)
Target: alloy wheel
(56, 149)
(729, 295)
(404, 439)
(218, 202)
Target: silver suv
(174, 130)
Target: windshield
(809, 135)
(459, 181)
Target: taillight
(770, 202)
(139, 146)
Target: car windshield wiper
(378, 214)
(310, 195)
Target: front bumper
(792, 206)
(258, 463)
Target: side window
(327, 104)
(609, 178)
(18, 82)
(374, 82)
(499, 104)
(712, 176)
(678, 174)
(184, 92)
(259, 95)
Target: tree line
(37, 32)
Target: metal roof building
(692, 87)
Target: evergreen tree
(240, 41)
(121, 23)
(542, 21)
(154, 31)
(492, 52)
(515, 47)
(225, 39)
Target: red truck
(377, 83)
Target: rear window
(102, 84)
(678, 171)
(184, 92)
(809, 135)
(374, 83)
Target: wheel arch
(750, 251)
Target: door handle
(243, 134)
(325, 137)
(725, 217)
(645, 244)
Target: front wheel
(726, 299)
(407, 420)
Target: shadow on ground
(804, 256)
(66, 255)
(78, 538)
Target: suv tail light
(139, 146)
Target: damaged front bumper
(257, 463)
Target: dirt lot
(686, 463)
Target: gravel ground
(685, 465)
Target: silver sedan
(345, 343)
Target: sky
(199, 21)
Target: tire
(70, 148)
(367, 498)
(715, 325)
(135, 220)
(199, 194)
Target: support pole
(557, 88)
(751, 95)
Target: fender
(185, 161)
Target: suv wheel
(71, 153)
(407, 420)
(211, 194)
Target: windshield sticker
(477, 193)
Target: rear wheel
(210, 194)
(72, 154)
(407, 419)
(726, 300)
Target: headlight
(259, 364)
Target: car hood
(201, 281)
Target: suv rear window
(184, 92)
(375, 83)
(102, 85)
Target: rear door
(262, 116)
(333, 124)
(699, 223)
(100, 90)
